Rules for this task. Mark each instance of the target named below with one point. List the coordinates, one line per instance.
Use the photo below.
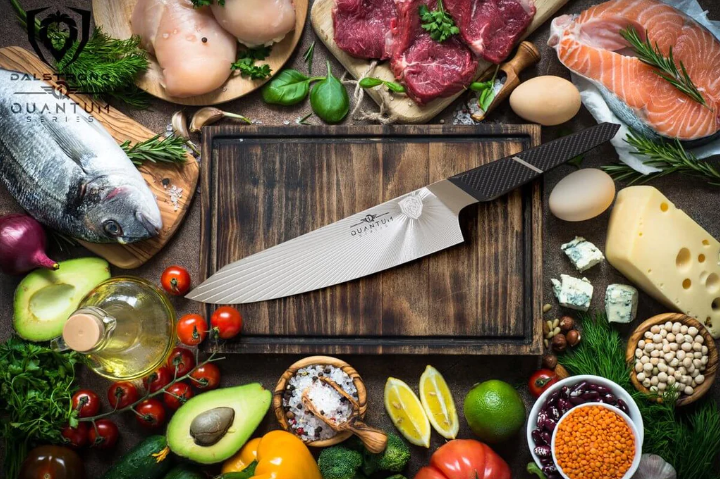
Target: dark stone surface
(461, 372)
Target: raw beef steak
(362, 27)
(429, 69)
(491, 27)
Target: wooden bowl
(114, 18)
(322, 360)
(710, 370)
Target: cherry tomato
(52, 462)
(176, 280)
(206, 377)
(122, 394)
(105, 436)
(541, 380)
(86, 402)
(226, 322)
(192, 329)
(158, 379)
(76, 436)
(150, 413)
(183, 359)
(177, 395)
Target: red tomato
(105, 436)
(206, 377)
(122, 394)
(86, 402)
(76, 436)
(52, 462)
(464, 459)
(176, 280)
(150, 413)
(177, 395)
(226, 322)
(192, 329)
(183, 359)
(541, 380)
(158, 379)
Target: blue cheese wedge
(573, 293)
(583, 254)
(621, 302)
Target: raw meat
(256, 22)
(591, 46)
(491, 27)
(362, 27)
(194, 52)
(429, 69)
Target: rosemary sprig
(169, 149)
(308, 57)
(668, 156)
(651, 55)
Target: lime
(494, 410)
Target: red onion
(22, 245)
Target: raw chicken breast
(256, 22)
(193, 50)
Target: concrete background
(461, 372)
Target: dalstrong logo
(370, 223)
(58, 32)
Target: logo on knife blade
(369, 223)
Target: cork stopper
(83, 331)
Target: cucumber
(182, 471)
(150, 459)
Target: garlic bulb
(654, 467)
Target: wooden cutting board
(267, 185)
(123, 128)
(405, 110)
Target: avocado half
(45, 299)
(250, 403)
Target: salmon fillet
(590, 45)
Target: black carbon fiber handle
(495, 179)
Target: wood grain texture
(266, 185)
(114, 17)
(712, 365)
(405, 110)
(123, 128)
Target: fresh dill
(157, 149)
(247, 67)
(668, 69)
(308, 57)
(668, 156)
(438, 22)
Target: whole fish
(66, 170)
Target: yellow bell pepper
(279, 455)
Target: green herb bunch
(247, 67)
(157, 150)
(205, 3)
(486, 90)
(438, 22)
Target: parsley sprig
(247, 67)
(438, 22)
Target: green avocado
(213, 426)
(45, 299)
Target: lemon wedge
(438, 403)
(407, 413)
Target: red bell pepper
(465, 459)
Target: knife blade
(403, 229)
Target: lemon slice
(438, 403)
(407, 413)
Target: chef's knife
(395, 232)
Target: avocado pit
(209, 427)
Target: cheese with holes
(665, 253)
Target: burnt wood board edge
(532, 217)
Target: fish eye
(112, 228)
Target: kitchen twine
(359, 113)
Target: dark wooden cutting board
(265, 185)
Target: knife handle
(490, 181)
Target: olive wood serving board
(123, 128)
(266, 185)
(114, 17)
(404, 109)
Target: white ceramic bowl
(618, 391)
(638, 445)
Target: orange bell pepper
(279, 455)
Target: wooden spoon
(374, 439)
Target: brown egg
(548, 100)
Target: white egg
(582, 195)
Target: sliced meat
(428, 68)
(256, 22)
(362, 27)
(491, 27)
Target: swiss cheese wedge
(667, 254)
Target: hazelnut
(549, 361)
(559, 343)
(567, 324)
(573, 337)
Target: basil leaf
(329, 99)
(396, 87)
(288, 88)
(486, 98)
(370, 82)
